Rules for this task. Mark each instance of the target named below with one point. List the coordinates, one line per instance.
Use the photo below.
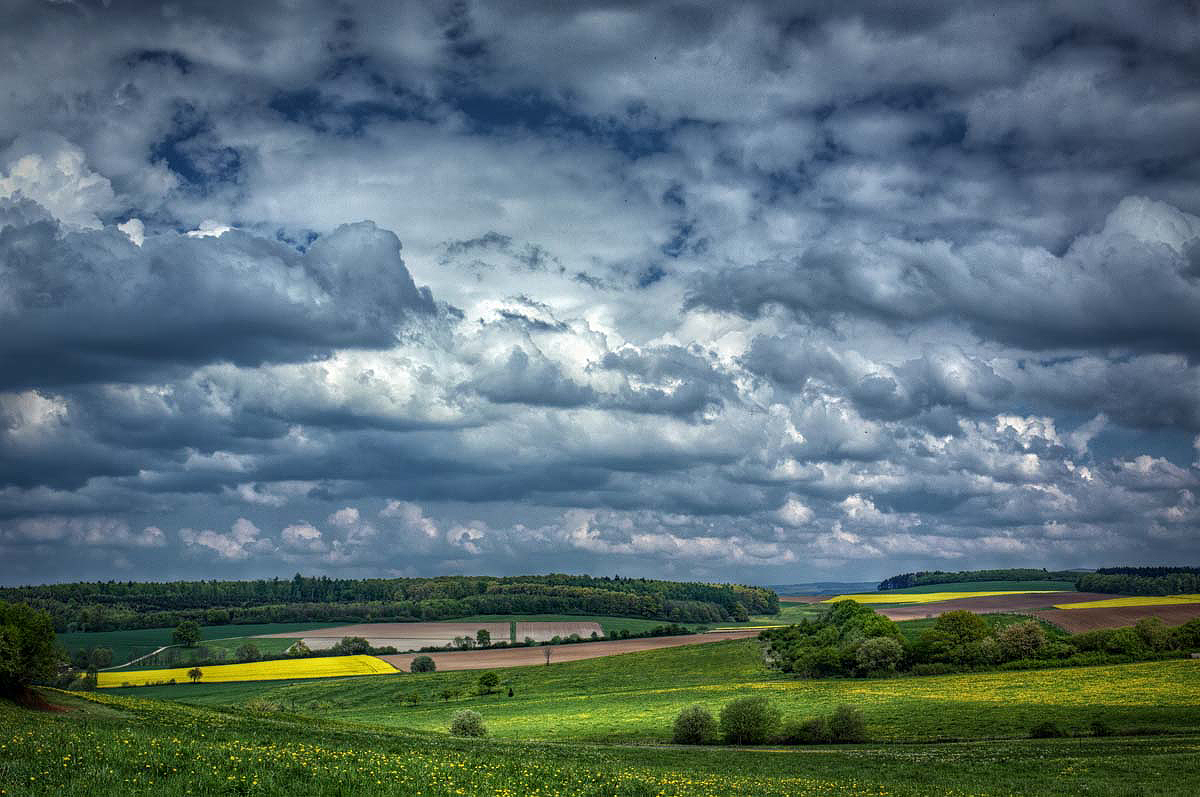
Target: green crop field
(634, 697)
(126, 645)
(140, 747)
(912, 629)
(987, 586)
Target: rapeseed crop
(280, 670)
(929, 597)
(1134, 600)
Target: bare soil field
(445, 631)
(544, 632)
(525, 657)
(989, 605)
(1076, 620)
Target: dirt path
(527, 657)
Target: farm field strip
(931, 597)
(1077, 620)
(447, 630)
(528, 657)
(545, 631)
(283, 669)
(1133, 600)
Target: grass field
(1136, 600)
(138, 747)
(634, 698)
(898, 598)
(968, 586)
(317, 667)
(912, 629)
(127, 645)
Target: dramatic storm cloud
(723, 291)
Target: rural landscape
(935, 683)
(621, 398)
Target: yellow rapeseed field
(929, 597)
(317, 667)
(1135, 600)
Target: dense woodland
(1142, 580)
(926, 577)
(118, 605)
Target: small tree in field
(422, 664)
(488, 683)
(694, 725)
(248, 652)
(195, 674)
(467, 723)
(847, 725)
(749, 720)
(187, 634)
(548, 651)
(483, 638)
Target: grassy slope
(151, 748)
(987, 586)
(635, 697)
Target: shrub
(248, 652)
(1187, 636)
(810, 731)
(694, 725)
(879, 655)
(1022, 640)
(749, 720)
(848, 725)
(352, 645)
(467, 723)
(1047, 730)
(1153, 633)
(488, 683)
(187, 634)
(423, 664)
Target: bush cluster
(467, 723)
(852, 640)
(756, 720)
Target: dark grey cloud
(86, 306)
(733, 292)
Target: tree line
(122, 605)
(926, 577)
(1142, 581)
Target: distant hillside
(926, 577)
(1143, 580)
(120, 605)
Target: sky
(757, 292)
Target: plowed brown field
(989, 605)
(525, 657)
(1076, 620)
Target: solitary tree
(548, 650)
(467, 723)
(488, 683)
(27, 650)
(749, 720)
(693, 725)
(422, 664)
(99, 658)
(483, 638)
(195, 674)
(248, 652)
(187, 634)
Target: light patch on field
(284, 669)
(544, 632)
(931, 597)
(1136, 600)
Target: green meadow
(127, 645)
(107, 745)
(633, 698)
